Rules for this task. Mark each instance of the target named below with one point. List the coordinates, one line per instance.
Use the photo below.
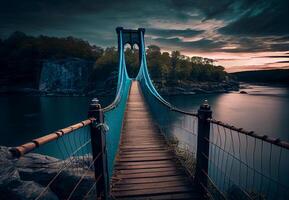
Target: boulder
(27, 177)
(24, 190)
(11, 184)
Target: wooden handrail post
(98, 143)
(204, 113)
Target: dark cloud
(203, 44)
(210, 9)
(173, 32)
(267, 18)
(249, 25)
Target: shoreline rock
(26, 178)
(180, 88)
(190, 88)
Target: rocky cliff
(65, 76)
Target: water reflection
(25, 117)
(265, 114)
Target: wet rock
(26, 177)
(11, 184)
(27, 190)
(42, 169)
(70, 75)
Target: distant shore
(189, 88)
(181, 87)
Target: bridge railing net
(244, 163)
(114, 113)
(63, 167)
(239, 163)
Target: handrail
(35, 143)
(271, 140)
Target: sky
(238, 34)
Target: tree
(154, 61)
(174, 62)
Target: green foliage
(21, 58)
(132, 61)
(179, 67)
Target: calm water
(264, 109)
(25, 117)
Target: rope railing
(62, 158)
(35, 143)
(260, 162)
(276, 141)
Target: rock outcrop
(66, 76)
(27, 177)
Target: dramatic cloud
(196, 27)
(265, 18)
(173, 32)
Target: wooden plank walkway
(145, 168)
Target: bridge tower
(130, 37)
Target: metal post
(204, 113)
(98, 143)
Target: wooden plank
(150, 179)
(151, 166)
(144, 152)
(147, 162)
(150, 174)
(146, 170)
(145, 167)
(157, 158)
(183, 196)
(150, 186)
(150, 155)
(153, 191)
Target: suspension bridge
(142, 147)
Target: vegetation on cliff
(22, 57)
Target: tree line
(21, 58)
(166, 66)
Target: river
(265, 109)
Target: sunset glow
(240, 35)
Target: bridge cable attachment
(103, 126)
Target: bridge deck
(145, 168)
